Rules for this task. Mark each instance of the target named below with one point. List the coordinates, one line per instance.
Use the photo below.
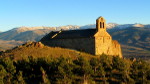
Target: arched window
(103, 24)
(100, 25)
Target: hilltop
(37, 49)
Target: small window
(103, 24)
(100, 25)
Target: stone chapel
(94, 41)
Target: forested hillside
(96, 70)
(35, 63)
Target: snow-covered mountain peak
(22, 29)
(111, 25)
(138, 25)
(73, 27)
(68, 27)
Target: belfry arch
(100, 24)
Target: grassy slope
(39, 50)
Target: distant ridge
(36, 33)
(23, 28)
(135, 41)
(4, 45)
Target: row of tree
(97, 70)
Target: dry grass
(35, 50)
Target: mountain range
(36, 33)
(134, 38)
(135, 41)
(31, 33)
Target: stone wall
(81, 44)
(107, 46)
(98, 43)
(102, 45)
(116, 48)
(96, 46)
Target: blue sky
(16, 13)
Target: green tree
(83, 68)
(106, 63)
(140, 70)
(94, 62)
(122, 67)
(20, 79)
(3, 73)
(10, 69)
(64, 70)
(101, 73)
(45, 79)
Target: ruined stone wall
(81, 44)
(116, 48)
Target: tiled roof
(66, 34)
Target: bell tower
(100, 24)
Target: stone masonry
(94, 41)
